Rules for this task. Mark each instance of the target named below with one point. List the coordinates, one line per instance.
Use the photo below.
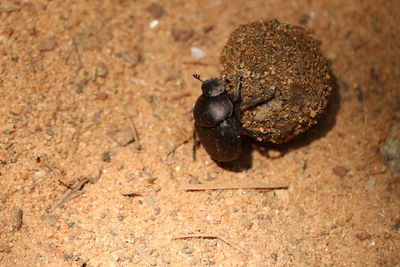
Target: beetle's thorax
(211, 111)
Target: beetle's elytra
(215, 122)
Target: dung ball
(284, 64)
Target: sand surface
(76, 79)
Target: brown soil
(78, 77)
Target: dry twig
(145, 256)
(211, 236)
(134, 131)
(228, 186)
(132, 194)
(172, 150)
(71, 193)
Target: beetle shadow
(321, 129)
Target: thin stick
(145, 256)
(71, 193)
(228, 186)
(172, 150)
(134, 130)
(132, 194)
(223, 239)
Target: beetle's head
(211, 87)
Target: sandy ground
(77, 76)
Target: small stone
(396, 225)
(101, 96)
(157, 211)
(150, 200)
(210, 177)
(187, 250)
(106, 156)
(16, 218)
(156, 10)
(47, 44)
(197, 53)
(246, 223)
(5, 249)
(274, 256)
(123, 137)
(102, 71)
(193, 180)
(181, 35)
(70, 224)
(260, 217)
(49, 132)
(363, 236)
(370, 184)
(67, 256)
(304, 18)
(390, 150)
(151, 180)
(340, 171)
(50, 219)
(133, 60)
(154, 23)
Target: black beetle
(216, 120)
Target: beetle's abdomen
(222, 142)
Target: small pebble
(101, 96)
(5, 249)
(390, 150)
(49, 132)
(274, 256)
(396, 225)
(16, 218)
(370, 184)
(50, 219)
(197, 53)
(181, 35)
(363, 236)
(67, 256)
(153, 24)
(340, 171)
(246, 223)
(193, 180)
(123, 137)
(106, 157)
(156, 10)
(47, 44)
(187, 250)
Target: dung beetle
(216, 119)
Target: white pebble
(197, 52)
(154, 24)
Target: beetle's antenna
(197, 76)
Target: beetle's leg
(196, 143)
(255, 102)
(254, 134)
(236, 97)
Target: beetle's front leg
(257, 101)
